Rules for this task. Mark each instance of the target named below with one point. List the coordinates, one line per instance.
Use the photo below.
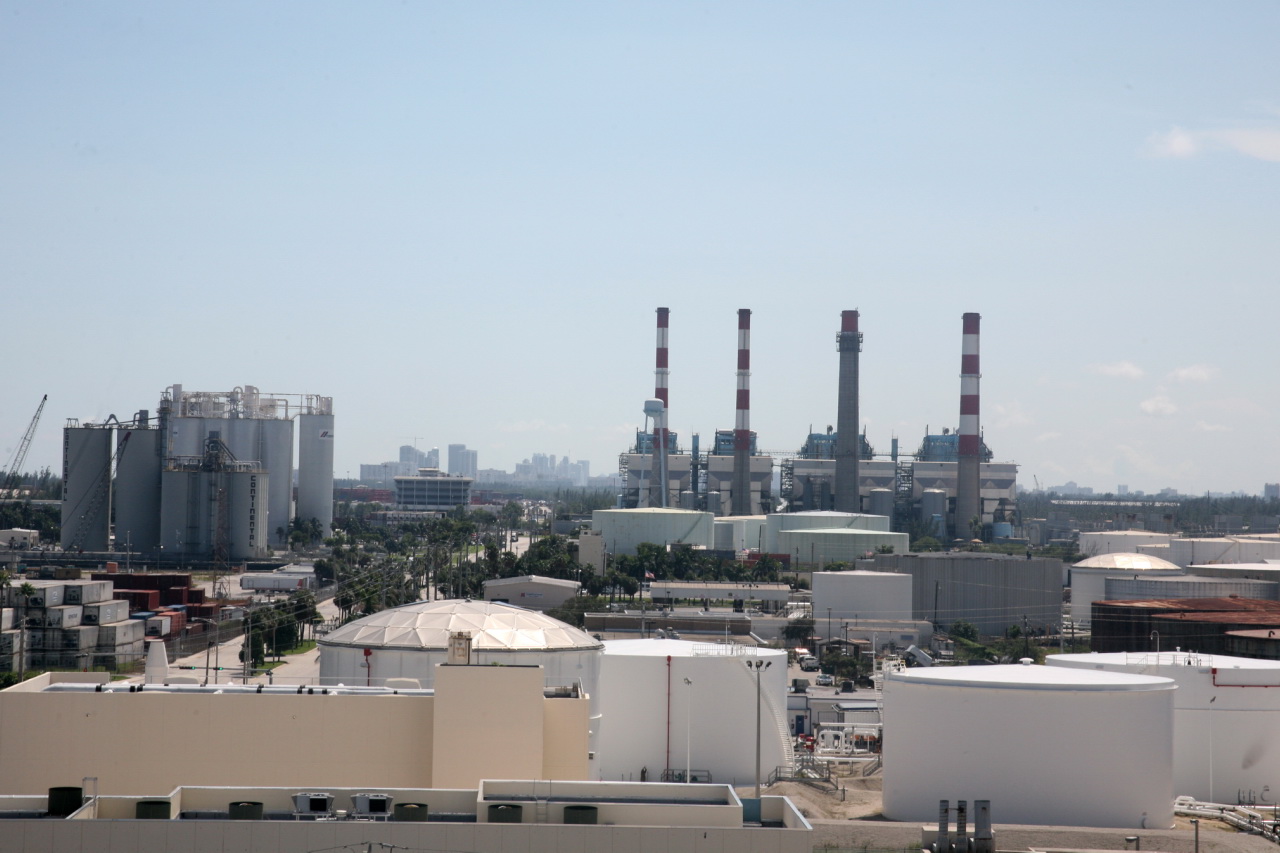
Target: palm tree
(24, 594)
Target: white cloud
(1121, 369)
(1158, 405)
(1176, 143)
(1194, 373)
(1260, 143)
(1201, 426)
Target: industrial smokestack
(661, 424)
(849, 343)
(968, 487)
(742, 422)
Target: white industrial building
(1093, 543)
(1089, 578)
(1226, 715)
(430, 490)
(531, 591)
(862, 595)
(1047, 744)
(624, 529)
(676, 705)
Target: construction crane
(13, 477)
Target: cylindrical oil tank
(778, 523)
(1033, 739)
(246, 810)
(1089, 578)
(650, 717)
(409, 812)
(1226, 712)
(1002, 530)
(86, 487)
(624, 529)
(315, 469)
(933, 502)
(64, 801)
(881, 502)
(688, 499)
(862, 595)
(152, 810)
(506, 813)
(137, 499)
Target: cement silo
(315, 463)
(86, 487)
(1048, 744)
(676, 705)
(137, 498)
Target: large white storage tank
(1089, 578)
(819, 547)
(1047, 745)
(409, 641)
(624, 529)
(818, 520)
(651, 718)
(862, 595)
(315, 465)
(1093, 543)
(739, 533)
(86, 487)
(1226, 715)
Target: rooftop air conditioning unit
(313, 804)
(376, 806)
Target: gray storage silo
(315, 464)
(86, 487)
(137, 498)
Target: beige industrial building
(480, 722)
(531, 591)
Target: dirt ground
(850, 820)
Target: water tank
(1033, 740)
(244, 811)
(933, 502)
(64, 801)
(882, 502)
(1002, 530)
(582, 814)
(649, 714)
(410, 812)
(506, 813)
(688, 500)
(152, 810)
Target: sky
(458, 219)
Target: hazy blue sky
(457, 219)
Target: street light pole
(688, 728)
(757, 665)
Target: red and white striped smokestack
(968, 486)
(741, 498)
(661, 427)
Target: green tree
(798, 630)
(964, 630)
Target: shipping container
(87, 592)
(106, 611)
(159, 626)
(65, 616)
(83, 637)
(117, 634)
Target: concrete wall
(866, 595)
(487, 717)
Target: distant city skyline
(459, 219)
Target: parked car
(825, 680)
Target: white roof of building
(494, 626)
(1032, 677)
(686, 649)
(567, 584)
(1128, 563)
